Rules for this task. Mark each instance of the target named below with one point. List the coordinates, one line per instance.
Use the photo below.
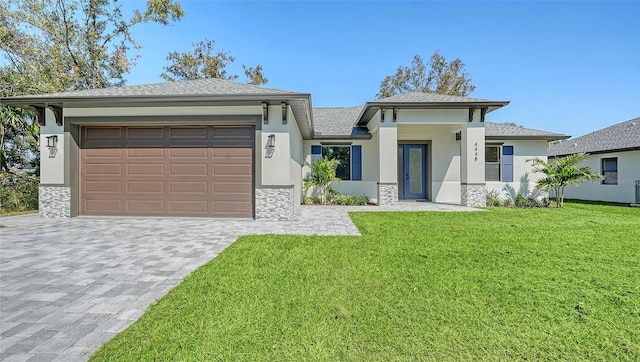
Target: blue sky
(570, 67)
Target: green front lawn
(499, 285)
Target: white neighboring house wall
(623, 191)
(523, 150)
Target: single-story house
(615, 153)
(217, 148)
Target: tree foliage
(437, 76)
(59, 45)
(205, 62)
(18, 139)
(563, 171)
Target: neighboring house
(217, 148)
(614, 152)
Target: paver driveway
(69, 285)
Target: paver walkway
(69, 285)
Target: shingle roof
(337, 121)
(210, 86)
(621, 136)
(420, 97)
(500, 130)
(201, 92)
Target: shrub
(350, 200)
(493, 198)
(18, 192)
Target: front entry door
(412, 172)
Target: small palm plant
(562, 172)
(323, 172)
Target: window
(492, 163)
(342, 154)
(610, 171)
(350, 157)
(498, 163)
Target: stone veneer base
(473, 195)
(387, 194)
(54, 201)
(274, 203)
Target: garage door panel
(188, 187)
(244, 133)
(103, 169)
(103, 205)
(181, 171)
(231, 186)
(136, 134)
(232, 197)
(145, 169)
(237, 154)
(188, 206)
(146, 152)
(189, 152)
(106, 153)
(188, 169)
(188, 133)
(100, 133)
(145, 186)
(233, 206)
(231, 169)
(103, 186)
(145, 206)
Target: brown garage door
(168, 171)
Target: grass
(507, 284)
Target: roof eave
(303, 118)
(370, 108)
(548, 138)
(342, 137)
(125, 100)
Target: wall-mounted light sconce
(52, 141)
(271, 141)
(458, 136)
(395, 114)
(265, 113)
(381, 114)
(284, 112)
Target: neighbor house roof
(199, 92)
(624, 136)
(420, 100)
(496, 131)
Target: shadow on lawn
(592, 202)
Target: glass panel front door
(412, 173)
